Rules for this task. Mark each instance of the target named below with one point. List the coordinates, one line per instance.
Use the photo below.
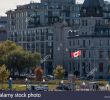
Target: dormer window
(91, 8)
(84, 10)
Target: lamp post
(107, 87)
(26, 80)
(44, 60)
(43, 81)
(62, 81)
(10, 83)
(83, 84)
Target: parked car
(31, 76)
(68, 86)
(50, 77)
(38, 87)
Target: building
(93, 39)
(3, 28)
(55, 28)
(107, 12)
(32, 26)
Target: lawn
(22, 87)
(52, 84)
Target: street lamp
(10, 83)
(44, 60)
(107, 87)
(83, 84)
(43, 80)
(62, 81)
(26, 80)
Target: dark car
(67, 87)
(38, 88)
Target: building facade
(93, 39)
(32, 26)
(3, 28)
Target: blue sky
(11, 4)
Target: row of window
(87, 43)
(32, 38)
(86, 67)
(85, 22)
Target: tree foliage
(16, 58)
(39, 73)
(4, 74)
(59, 72)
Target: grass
(52, 84)
(18, 87)
(22, 87)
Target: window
(85, 22)
(84, 43)
(108, 42)
(100, 54)
(89, 66)
(109, 69)
(78, 66)
(50, 44)
(98, 22)
(89, 54)
(108, 54)
(73, 42)
(82, 22)
(101, 42)
(69, 66)
(100, 67)
(78, 42)
(84, 68)
(69, 43)
(84, 53)
(89, 42)
(49, 37)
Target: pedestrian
(93, 87)
(97, 87)
(107, 87)
(83, 85)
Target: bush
(39, 73)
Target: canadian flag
(75, 54)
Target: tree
(16, 58)
(4, 74)
(39, 73)
(19, 60)
(59, 72)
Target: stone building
(32, 26)
(93, 39)
(3, 28)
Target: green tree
(19, 60)
(4, 74)
(16, 58)
(59, 72)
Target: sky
(6, 5)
